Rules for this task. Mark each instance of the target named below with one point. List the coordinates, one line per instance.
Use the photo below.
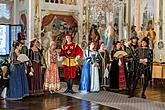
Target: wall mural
(55, 28)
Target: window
(5, 11)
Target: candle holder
(160, 60)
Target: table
(158, 74)
(158, 71)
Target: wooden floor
(154, 92)
(62, 102)
(51, 102)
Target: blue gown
(18, 84)
(85, 76)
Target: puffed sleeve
(79, 51)
(62, 51)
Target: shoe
(131, 93)
(104, 88)
(50, 92)
(66, 91)
(130, 96)
(71, 91)
(1, 98)
(143, 96)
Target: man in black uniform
(132, 47)
(143, 57)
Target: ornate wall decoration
(160, 45)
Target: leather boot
(71, 85)
(67, 90)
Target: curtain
(47, 20)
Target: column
(128, 16)
(163, 21)
(39, 19)
(15, 12)
(157, 28)
(156, 20)
(29, 20)
(88, 5)
(120, 22)
(80, 20)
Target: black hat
(132, 27)
(21, 36)
(134, 37)
(146, 39)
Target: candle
(160, 56)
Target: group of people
(118, 68)
(25, 71)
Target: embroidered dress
(117, 73)
(103, 61)
(52, 80)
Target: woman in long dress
(18, 84)
(118, 70)
(52, 79)
(104, 62)
(35, 81)
(95, 85)
(90, 74)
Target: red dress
(71, 52)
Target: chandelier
(106, 5)
(99, 8)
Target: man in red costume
(70, 52)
